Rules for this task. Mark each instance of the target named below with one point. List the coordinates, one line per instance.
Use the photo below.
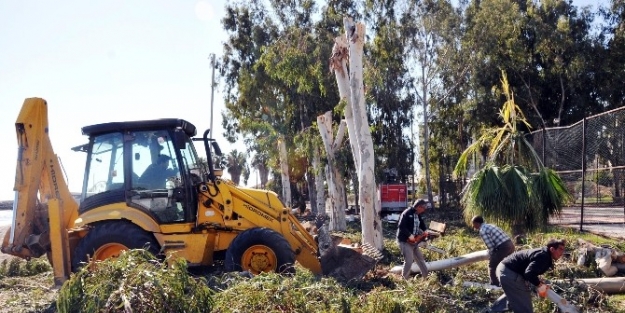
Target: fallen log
(447, 263)
(608, 285)
(562, 303)
(608, 260)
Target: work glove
(542, 290)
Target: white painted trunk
(319, 179)
(338, 63)
(335, 205)
(447, 263)
(609, 285)
(370, 218)
(284, 169)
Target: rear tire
(109, 239)
(259, 250)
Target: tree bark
(338, 63)
(336, 205)
(426, 139)
(444, 264)
(284, 169)
(370, 214)
(320, 193)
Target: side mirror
(216, 148)
(180, 139)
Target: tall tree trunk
(320, 195)
(338, 63)
(336, 205)
(263, 173)
(284, 169)
(370, 217)
(426, 140)
(311, 182)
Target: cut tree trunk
(336, 205)
(370, 217)
(608, 260)
(608, 285)
(447, 263)
(564, 305)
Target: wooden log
(447, 263)
(608, 285)
(562, 303)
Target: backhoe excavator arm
(43, 208)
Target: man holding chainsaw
(518, 271)
(498, 243)
(410, 231)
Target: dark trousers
(516, 289)
(503, 250)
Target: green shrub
(16, 267)
(134, 282)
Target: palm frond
(516, 181)
(505, 190)
(551, 193)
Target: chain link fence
(590, 157)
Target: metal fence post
(581, 219)
(544, 144)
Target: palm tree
(236, 165)
(513, 188)
(259, 162)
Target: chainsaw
(416, 239)
(423, 241)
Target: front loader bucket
(343, 261)
(345, 264)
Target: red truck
(393, 198)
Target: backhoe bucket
(343, 261)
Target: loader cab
(150, 166)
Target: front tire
(109, 239)
(260, 250)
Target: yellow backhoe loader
(145, 187)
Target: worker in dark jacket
(409, 229)
(520, 269)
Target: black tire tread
(126, 233)
(260, 236)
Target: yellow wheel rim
(259, 258)
(109, 250)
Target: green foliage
(134, 281)
(513, 188)
(382, 292)
(16, 267)
(137, 278)
(237, 166)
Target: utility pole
(212, 58)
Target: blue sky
(107, 60)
